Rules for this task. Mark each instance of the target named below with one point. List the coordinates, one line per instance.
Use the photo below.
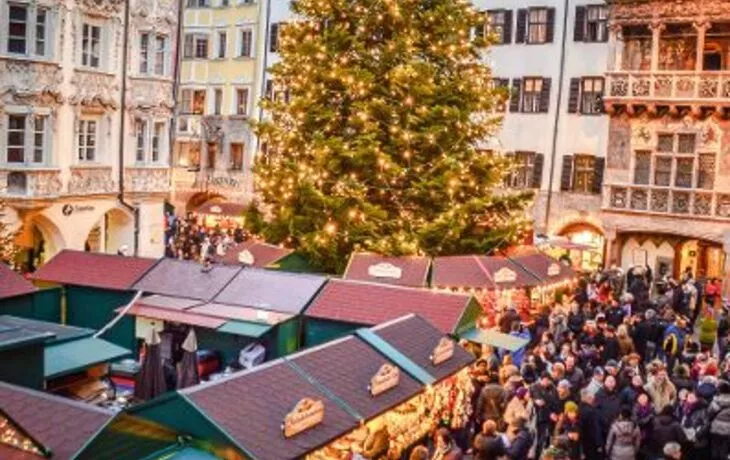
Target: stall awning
(222, 208)
(494, 338)
(176, 316)
(69, 357)
(245, 328)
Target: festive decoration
(8, 248)
(378, 111)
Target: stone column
(701, 28)
(656, 34)
(610, 234)
(615, 48)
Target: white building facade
(84, 151)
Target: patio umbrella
(188, 371)
(150, 381)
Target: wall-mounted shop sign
(385, 270)
(245, 257)
(388, 377)
(553, 270)
(307, 414)
(69, 209)
(443, 351)
(505, 275)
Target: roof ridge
(57, 399)
(425, 290)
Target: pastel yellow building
(222, 60)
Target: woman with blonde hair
(625, 342)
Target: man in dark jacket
(719, 415)
(591, 435)
(608, 402)
(491, 402)
(545, 398)
(488, 444)
(665, 429)
(522, 440)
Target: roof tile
(12, 283)
(183, 278)
(414, 270)
(264, 254)
(477, 272)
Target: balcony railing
(30, 183)
(668, 85)
(678, 202)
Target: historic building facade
(75, 133)
(666, 198)
(222, 67)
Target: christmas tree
(8, 248)
(375, 133)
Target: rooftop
(182, 278)
(254, 253)
(480, 272)
(403, 271)
(13, 284)
(56, 333)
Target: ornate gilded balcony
(30, 183)
(669, 88)
(670, 201)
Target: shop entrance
(591, 241)
(112, 233)
(701, 258)
(38, 240)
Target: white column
(656, 31)
(701, 32)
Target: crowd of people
(625, 367)
(187, 239)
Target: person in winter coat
(568, 427)
(708, 331)
(630, 392)
(591, 435)
(643, 415)
(377, 443)
(624, 438)
(520, 440)
(446, 448)
(665, 429)
(662, 391)
(696, 425)
(609, 403)
(519, 406)
(488, 445)
(719, 416)
(545, 400)
(573, 373)
(625, 342)
(491, 402)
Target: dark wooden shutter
(601, 107)
(521, 26)
(507, 26)
(566, 175)
(579, 31)
(274, 38)
(550, 25)
(545, 95)
(574, 96)
(515, 95)
(479, 29)
(537, 170)
(269, 91)
(599, 166)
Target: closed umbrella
(150, 381)
(188, 372)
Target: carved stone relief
(146, 179)
(85, 181)
(30, 79)
(93, 88)
(619, 143)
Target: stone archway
(113, 231)
(39, 240)
(199, 199)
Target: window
(537, 25)
(686, 143)
(242, 101)
(17, 29)
(706, 172)
(193, 101)
(160, 54)
(201, 47)
(16, 139)
(40, 32)
(246, 47)
(591, 97)
(141, 134)
(583, 172)
(596, 23)
(144, 53)
(157, 137)
(39, 138)
(217, 101)
(198, 3)
(665, 143)
(663, 171)
(195, 46)
(222, 39)
(26, 138)
(498, 27)
(522, 175)
(531, 95)
(87, 140)
(274, 38)
(642, 168)
(236, 156)
(188, 46)
(91, 46)
(685, 170)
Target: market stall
(402, 271)
(19, 297)
(582, 256)
(222, 214)
(556, 278)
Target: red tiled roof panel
(416, 338)
(186, 278)
(414, 270)
(235, 312)
(12, 283)
(222, 208)
(57, 423)
(538, 263)
(346, 368)
(370, 304)
(267, 395)
(90, 269)
(9, 453)
(184, 317)
(459, 271)
(264, 254)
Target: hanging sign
(505, 275)
(245, 257)
(443, 351)
(387, 377)
(307, 414)
(385, 270)
(553, 270)
(216, 209)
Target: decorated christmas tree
(378, 120)
(8, 248)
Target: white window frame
(161, 146)
(140, 149)
(191, 91)
(102, 26)
(31, 30)
(214, 92)
(239, 43)
(537, 25)
(29, 132)
(234, 110)
(144, 53)
(224, 34)
(82, 123)
(153, 54)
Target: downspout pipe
(556, 124)
(122, 129)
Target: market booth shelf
(94, 285)
(19, 297)
(402, 271)
(344, 305)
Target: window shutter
(521, 26)
(566, 175)
(269, 91)
(507, 26)
(574, 96)
(599, 166)
(550, 25)
(601, 107)
(545, 95)
(274, 38)
(515, 95)
(537, 171)
(579, 31)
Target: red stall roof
(543, 266)
(12, 283)
(254, 253)
(176, 316)
(106, 271)
(480, 272)
(366, 303)
(403, 271)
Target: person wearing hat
(696, 425)
(568, 428)
(708, 330)
(520, 406)
(596, 382)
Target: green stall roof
(494, 338)
(69, 357)
(245, 328)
